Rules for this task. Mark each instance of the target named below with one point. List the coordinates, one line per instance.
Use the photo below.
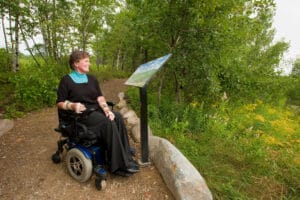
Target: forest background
(221, 98)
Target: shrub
(5, 60)
(34, 87)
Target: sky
(286, 23)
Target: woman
(79, 92)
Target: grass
(249, 151)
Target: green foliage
(296, 68)
(33, 88)
(5, 60)
(104, 73)
(217, 46)
(263, 138)
(244, 150)
(6, 89)
(181, 118)
(294, 90)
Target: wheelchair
(83, 155)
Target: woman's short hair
(76, 56)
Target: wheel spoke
(76, 165)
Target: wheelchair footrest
(100, 172)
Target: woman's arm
(68, 105)
(102, 103)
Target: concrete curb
(180, 176)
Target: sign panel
(144, 72)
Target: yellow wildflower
(250, 107)
(289, 130)
(272, 141)
(260, 118)
(194, 104)
(272, 111)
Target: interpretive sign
(140, 78)
(144, 72)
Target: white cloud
(287, 25)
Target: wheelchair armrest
(58, 129)
(111, 104)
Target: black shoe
(123, 173)
(133, 163)
(133, 168)
(132, 151)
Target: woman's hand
(78, 107)
(110, 115)
(68, 105)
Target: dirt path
(27, 172)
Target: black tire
(79, 167)
(100, 183)
(56, 158)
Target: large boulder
(181, 177)
(136, 132)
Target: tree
(294, 91)
(11, 9)
(217, 46)
(296, 68)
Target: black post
(144, 124)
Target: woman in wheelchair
(80, 92)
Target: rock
(131, 118)
(5, 125)
(136, 132)
(122, 102)
(181, 177)
(123, 110)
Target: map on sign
(144, 72)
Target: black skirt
(111, 135)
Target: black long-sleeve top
(85, 93)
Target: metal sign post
(140, 78)
(144, 124)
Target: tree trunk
(37, 48)
(12, 40)
(145, 55)
(122, 61)
(4, 33)
(6, 45)
(54, 34)
(28, 48)
(16, 60)
(118, 59)
(177, 89)
(161, 80)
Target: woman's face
(83, 65)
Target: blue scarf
(78, 78)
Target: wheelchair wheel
(56, 158)
(79, 167)
(100, 184)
